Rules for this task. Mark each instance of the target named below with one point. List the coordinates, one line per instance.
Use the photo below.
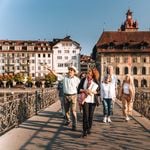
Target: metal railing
(142, 102)
(15, 109)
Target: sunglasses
(71, 69)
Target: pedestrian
(107, 95)
(127, 94)
(114, 82)
(61, 97)
(70, 84)
(88, 87)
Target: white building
(33, 57)
(66, 52)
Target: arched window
(143, 70)
(135, 82)
(117, 71)
(126, 71)
(143, 83)
(134, 70)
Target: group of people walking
(86, 91)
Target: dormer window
(125, 45)
(143, 47)
(111, 45)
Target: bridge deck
(46, 131)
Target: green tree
(19, 78)
(50, 78)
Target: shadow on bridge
(46, 131)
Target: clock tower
(129, 25)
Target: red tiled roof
(117, 37)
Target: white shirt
(93, 87)
(126, 88)
(107, 90)
(70, 84)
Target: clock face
(129, 17)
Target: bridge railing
(15, 109)
(142, 102)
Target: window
(134, 70)
(66, 57)
(136, 82)
(108, 60)
(143, 83)
(117, 59)
(117, 71)
(60, 65)
(143, 60)
(18, 47)
(134, 59)
(74, 57)
(43, 55)
(66, 65)
(39, 67)
(49, 55)
(59, 51)
(38, 55)
(5, 47)
(126, 71)
(143, 70)
(66, 51)
(59, 57)
(125, 59)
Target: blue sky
(83, 20)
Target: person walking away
(127, 94)
(107, 96)
(88, 86)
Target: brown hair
(96, 74)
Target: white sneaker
(105, 119)
(109, 120)
(127, 118)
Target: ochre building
(127, 50)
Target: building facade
(127, 50)
(34, 57)
(86, 62)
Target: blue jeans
(107, 106)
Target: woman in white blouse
(89, 87)
(107, 95)
(127, 94)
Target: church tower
(129, 25)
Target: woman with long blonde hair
(127, 94)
